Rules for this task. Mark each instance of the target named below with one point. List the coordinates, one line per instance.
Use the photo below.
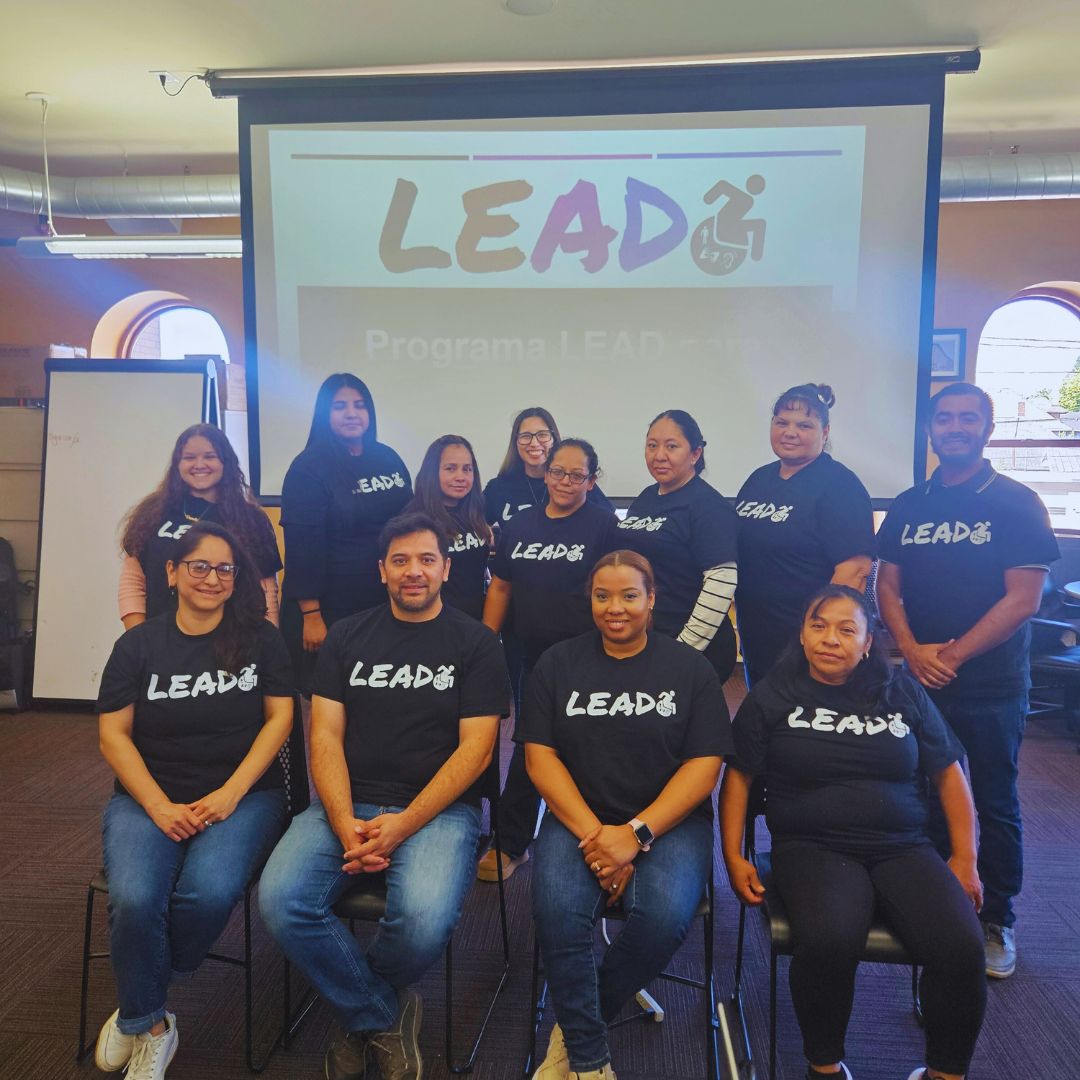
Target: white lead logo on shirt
(828, 720)
(948, 532)
(379, 677)
(181, 686)
(750, 508)
(626, 704)
(546, 552)
(649, 524)
(369, 485)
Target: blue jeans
(659, 902)
(990, 730)
(426, 883)
(169, 901)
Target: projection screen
(606, 260)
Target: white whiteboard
(109, 431)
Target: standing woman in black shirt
(194, 705)
(448, 491)
(624, 731)
(804, 521)
(339, 492)
(538, 578)
(846, 748)
(204, 482)
(686, 529)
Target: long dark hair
(428, 497)
(237, 506)
(235, 641)
(320, 437)
(512, 463)
(691, 432)
(869, 680)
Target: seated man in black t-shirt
(405, 712)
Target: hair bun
(825, 395)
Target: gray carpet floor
(53, 785)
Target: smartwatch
(642, 833)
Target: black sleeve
(713, 539)
(536, 722)
(275, 667)
(485, 685)
(305, 507)
(329, 678)
(1029, 538)
(121, 681)
(846, 519)
(708, 734)
(598, 498)
(491, 502)
(938, 746)
(888, 537)
(266, 554)
(501, 566)
(398, 465)
(750, 731)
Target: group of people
(615, 644)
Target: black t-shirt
(792, 534)
(504, 496)
(469, 553)
(547, 561)
(405, 686)
(953, 546)
(624, 727)
(682, 534)
(194, 723)
(333, 506)
(175, 522)
(835, 772)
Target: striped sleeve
(711, 608)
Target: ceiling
(108, 113)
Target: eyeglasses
(200, 568)
(575, 478)
(543, 437)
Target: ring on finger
(596, 867)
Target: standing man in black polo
(964, 558)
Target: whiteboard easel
(109, 429)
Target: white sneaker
(113, 1048)
(556, 1065)
(605, 1072)
(1000, 950)
(152, 1054)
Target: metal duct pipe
(1015, 176)
(122, 196)
(963, 179)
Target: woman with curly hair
(204, 482)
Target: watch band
(642, 833)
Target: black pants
(519, 804)
(831, 899)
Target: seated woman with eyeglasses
(539, 573)
(194, 706)
(846, 748)
(624, 731)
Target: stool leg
(82, 1049)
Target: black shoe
(350, 1058)
(396, 1051)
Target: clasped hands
(368, 849)
(934, 665)
(181, 821)
(609, 852)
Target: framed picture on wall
(947, 356)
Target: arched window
(157, 325)
(1029, 363)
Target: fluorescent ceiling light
(130, 247)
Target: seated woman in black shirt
(194, 705)
(846, 747)
(624, 731)
(448, 491)
(542, 565)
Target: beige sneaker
(605, 1072)
(487, 869)
(113, 1050)
(556, 1065)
